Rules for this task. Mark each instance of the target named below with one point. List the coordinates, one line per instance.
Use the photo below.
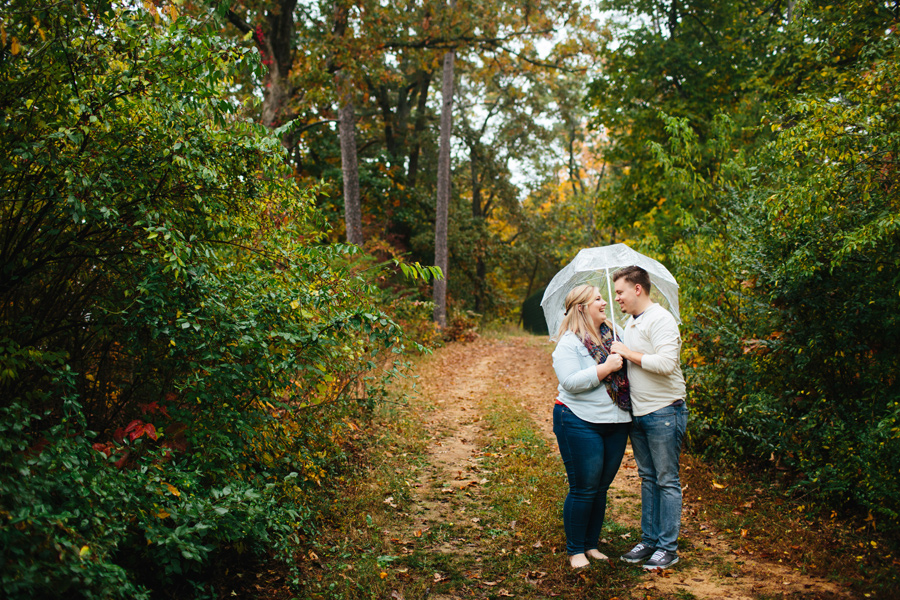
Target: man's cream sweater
(658, 382)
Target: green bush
(180, 354)
(794, 341)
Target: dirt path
(459, 376)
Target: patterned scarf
(617, 382)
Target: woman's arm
(572, 377)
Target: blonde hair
(577, 320)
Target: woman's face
(597, 309)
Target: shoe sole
(659, 567)
(635, 561)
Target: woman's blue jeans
(656, 440)
(591, 453)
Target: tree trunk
(349, 167)
(347, 135)
(442, 209)
(276, 48)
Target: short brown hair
(635, 276)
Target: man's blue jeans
(656, 439)
(591, 453)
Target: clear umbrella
(595, 266)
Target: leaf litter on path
(458, 377)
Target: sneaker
(661, 559)
(637, 554)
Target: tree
(442, 209)
(390, 54)
(784, 218)
(179, 346)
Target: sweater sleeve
(572, 377)
(665, 340)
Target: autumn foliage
(181, 356)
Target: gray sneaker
(661, 559)
(637, 554)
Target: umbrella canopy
(595, 266)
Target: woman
(591, 418)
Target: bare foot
(596, 554)
(578, 561)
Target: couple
(607, 389)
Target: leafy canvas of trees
(214, 218)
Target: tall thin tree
(349, 166)
(442, 208)
(347, 134)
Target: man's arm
(666, 343)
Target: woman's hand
(612, 364)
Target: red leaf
(154, 408)
(106, 448)
(121, 462)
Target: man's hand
(622, 349)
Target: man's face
(626, 296)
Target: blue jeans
(591, 453)
(656, 439)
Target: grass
(500, 539)
(393, 531)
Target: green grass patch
(529, 491)
(394, 532)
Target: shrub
(180, 354)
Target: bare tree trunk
(349, 167)
(275, 44)
(442, 209)
(347, 135)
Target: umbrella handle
(609, 291)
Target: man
(652, 345)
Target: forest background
(189, 342)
